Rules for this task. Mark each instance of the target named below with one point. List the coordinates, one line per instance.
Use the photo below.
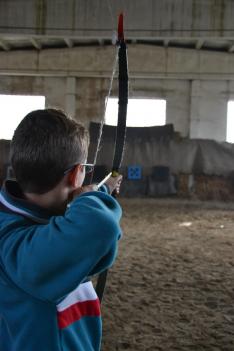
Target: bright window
(13, 109)
(141, 112)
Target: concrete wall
(53, 88)
(197, 85)
(197, 109)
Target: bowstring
(106, 102)
(109, 90)
(103, 120)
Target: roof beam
(36, 43)
(4, 45)
(12, 64)
(199, 44)
(68, 42)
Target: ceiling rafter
(231, 48)
(166, 42)
(4, 45)
(39, 42)
(69, 42)
(36, 43)
(199, 43)
(101, 42)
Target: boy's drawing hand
(114, 183)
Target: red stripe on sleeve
(90, 308)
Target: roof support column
(208, 116)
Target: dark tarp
(153, 146)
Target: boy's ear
(73, 176)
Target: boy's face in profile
(80, 176)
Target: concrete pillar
(208, 115)
(70, 99)
(195, 109)
(178, 105)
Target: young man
(48, 250)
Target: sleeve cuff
(105, 189)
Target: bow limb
(120, 135)
(122, 111)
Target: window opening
(141, 112)
(14, 108)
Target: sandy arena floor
(172, 287)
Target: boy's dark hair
(44, 145)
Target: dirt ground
(172, 287)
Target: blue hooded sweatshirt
(47, 302)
